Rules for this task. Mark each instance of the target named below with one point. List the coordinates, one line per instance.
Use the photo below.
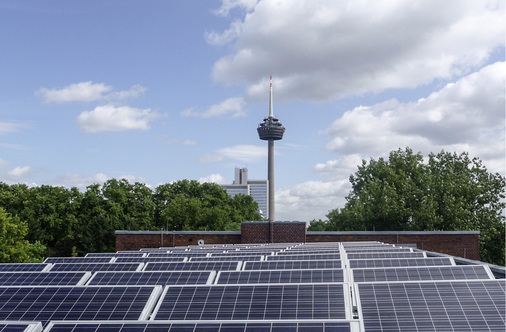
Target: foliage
(448, 193)
(69, 222)
(14, 247)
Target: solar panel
(151, 278)
(203, 326)
(280, 276)
(386, 249)
(193, 266)
(421, 273)
(90, 267)
(293, 265)
(385, 255)
(76, 303)
(303, 257)
(226, 258)
(78, 260)
(43, 278)
(115, 254)
(433, 306)
(20, 327)
(23, 267)
(252, 302)
(148, 259)
(392, 262)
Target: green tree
(450, 192)
(14, 248)
(189, 205)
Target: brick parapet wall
(462, 244)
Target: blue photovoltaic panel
(74, 303)
(90, 267)
(192, 266)
(386, 255)
(22, 267)
(387, 249)
(179, 255)
(78, 260)
(204, 327)
(303, 257)
(253, 302)
(151, 278)
(434, 306)
(292, 265)
(20, 327)
(226, 258)
(117, 254)
(309, 252)
(394, 262)
(147, 259)
(40, 278)
(421, 273)
(281, 276)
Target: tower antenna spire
(271, 110)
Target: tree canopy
(70, 222)
(449, 192)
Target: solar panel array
(348, 286)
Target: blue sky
(160, 91)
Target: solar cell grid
(433, 306)
(74, 303)
(226, 258)
(148, 259)
(192, 266)
(394, 262)
(42, 278)
(293, 265)
(303, 257)
(117, 254)
(25, 267)
(421, 273)
(280, 276)
(385, 255)
(252, 302)
(20, 327)
(151, 278)
(89, 267)
(203, 327)
(78, 260)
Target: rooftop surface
(338, 286)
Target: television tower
(271, 130)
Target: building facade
(257, 189)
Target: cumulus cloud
(467, 115)
(213, 178)
(232, 106)
(325, 49)
(19, 172)
(228, 5)
(244, 153)
(87, 92)
(112, 118)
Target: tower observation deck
(271, 130)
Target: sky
(160, 91)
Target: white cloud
(3, 163)
(232, 106)
(7, 127)
(228, 5)
(213, 178)
(467, 115)
(323, 49)
(87, 92)
(19, 172)
(112, 118)
(311, 199)
(244, 153)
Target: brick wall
(462, 244)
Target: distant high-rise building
(257, 189)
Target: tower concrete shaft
(271, 130)
(270, 178)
